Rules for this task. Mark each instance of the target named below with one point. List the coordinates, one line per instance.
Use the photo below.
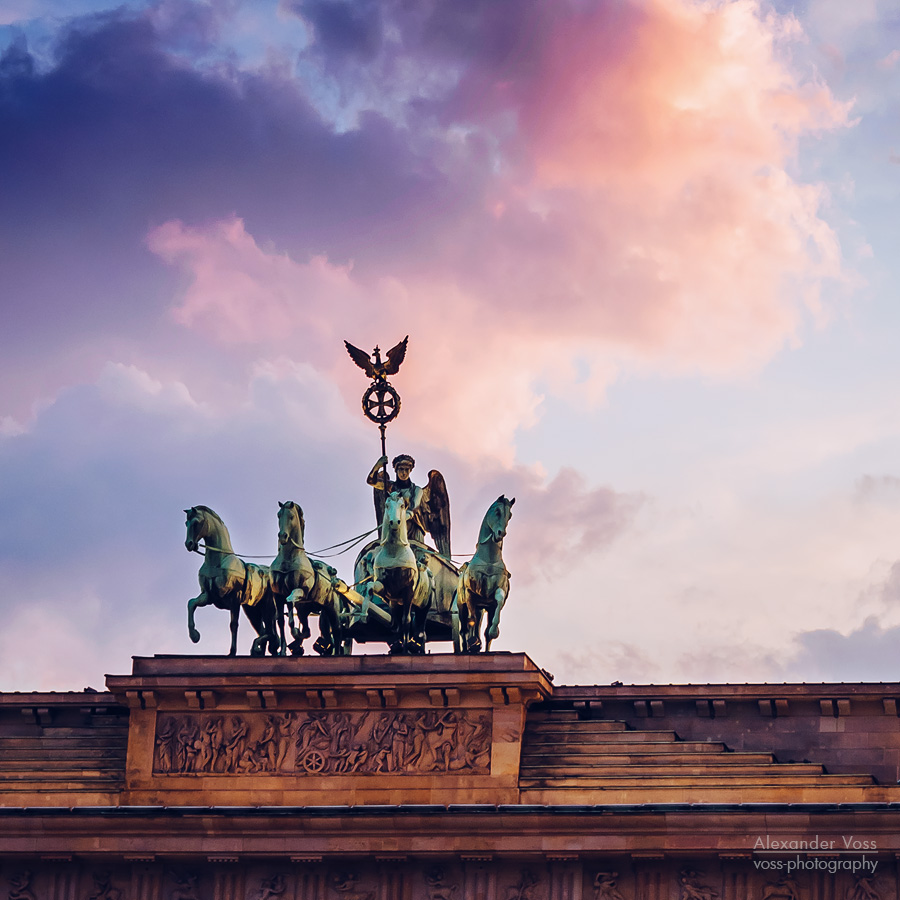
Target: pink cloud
(637, 209)
(240, 293)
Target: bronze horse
(401, 580)
(227, 582)
(305, 586)
(483, 582)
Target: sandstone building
(445, 777)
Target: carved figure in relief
(605, 886)
(524, 888)
(432, 742)
(272, 747)
(476, 744)
(212, 737)
(864, 889)
(271, 887)
(167, 744)
(188, 745)
(236, 744)
(185, 886)
(785, 888)
(437, 890)
(103, 890)
(20, 886)
(692, 889)
(344, 883)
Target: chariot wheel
(313, 761)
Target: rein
(351, 543)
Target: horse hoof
(195, 636)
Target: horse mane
(212, 512)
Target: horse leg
(297, 632)
(270, 618)
(291, 603)
(264, 628)
(493, 631)
(323, 645)
(279, 625)
(417, 616)
(235, 612)
(454, 624)
(193, 603)
(397, 643)
(473, 640)
(463, 617)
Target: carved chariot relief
(325, 743)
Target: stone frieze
(334, 742)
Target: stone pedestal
(438, 729)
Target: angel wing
(435, 507)
(395, 356)
(361, 358)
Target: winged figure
(435, 507)
(429, 506)
(373, 365)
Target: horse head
(206, 524)
(396, 512)
(197, 528)
(496, 519)
(291, 525)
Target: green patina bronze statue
(404, 592)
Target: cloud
(609, 183)
(868, 653)
(568, 519)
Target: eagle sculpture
(373, 365)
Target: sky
(645, 252)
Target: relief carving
(325, 743)
(785, 888)
(270, 888)
(605, 886)
(437, 890)
(103, 889)
(863, 889)
(692, 889)
(185, 886)
(20, 886)
(344, 884)
(524, 888)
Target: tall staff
(380, 402)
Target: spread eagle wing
(395, 356)
(361, 358)
(435, 508)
